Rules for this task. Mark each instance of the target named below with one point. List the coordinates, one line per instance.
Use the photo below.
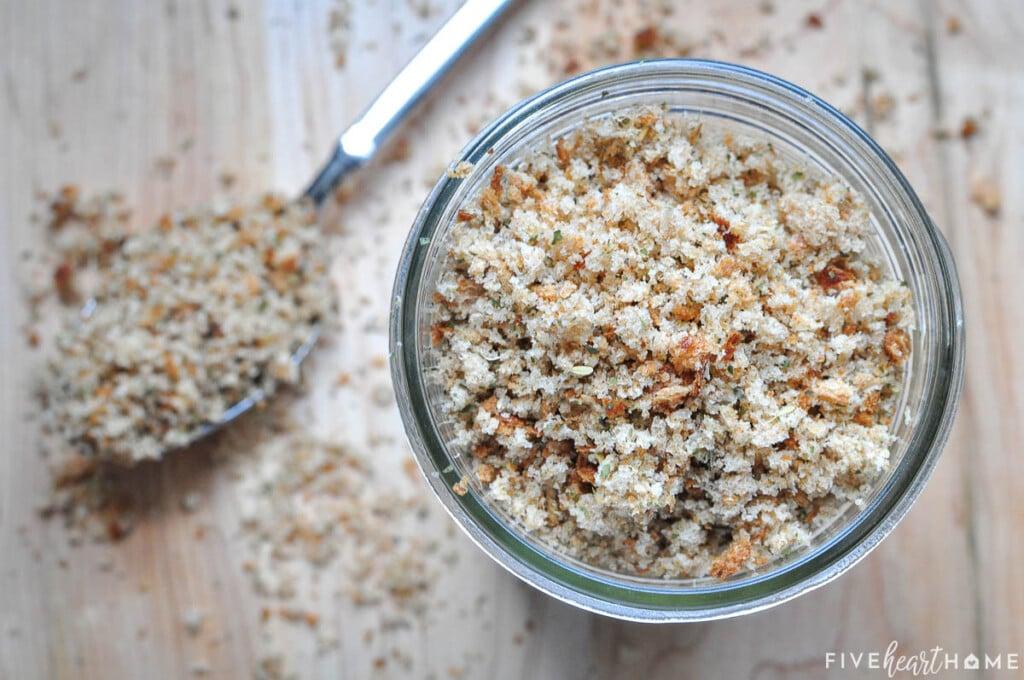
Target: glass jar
(801, 127)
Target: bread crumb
(732, 560)
(459, 170)
(882, 106)
(645, 39)
(986, 195)
(165, 165)
(192, 619)
(577, 332)
(969, 128)
(207, 308)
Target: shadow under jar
(903, 241)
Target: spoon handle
(357, 144)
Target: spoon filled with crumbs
(207, 314)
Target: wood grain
(95, 91)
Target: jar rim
(619, 596)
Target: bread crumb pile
(665, 348)
(312, 501)
(191, 317)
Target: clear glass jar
(800, 126)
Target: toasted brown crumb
(689, 311)
(437, 333)
(731, 343)
(461, 487)
(64, 283)
(866, 415)
(645, 39)
(411, 469)
(968, 128)
(835, 275)
(897, 345)
(399, 151)
(63, 205)
(345, 192)
(953, 25)
(728, 237)
(815, 21)
(732, 560)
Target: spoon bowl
(355, 148)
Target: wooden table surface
(104, 92)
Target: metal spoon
(357, 145)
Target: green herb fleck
(556, 237)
